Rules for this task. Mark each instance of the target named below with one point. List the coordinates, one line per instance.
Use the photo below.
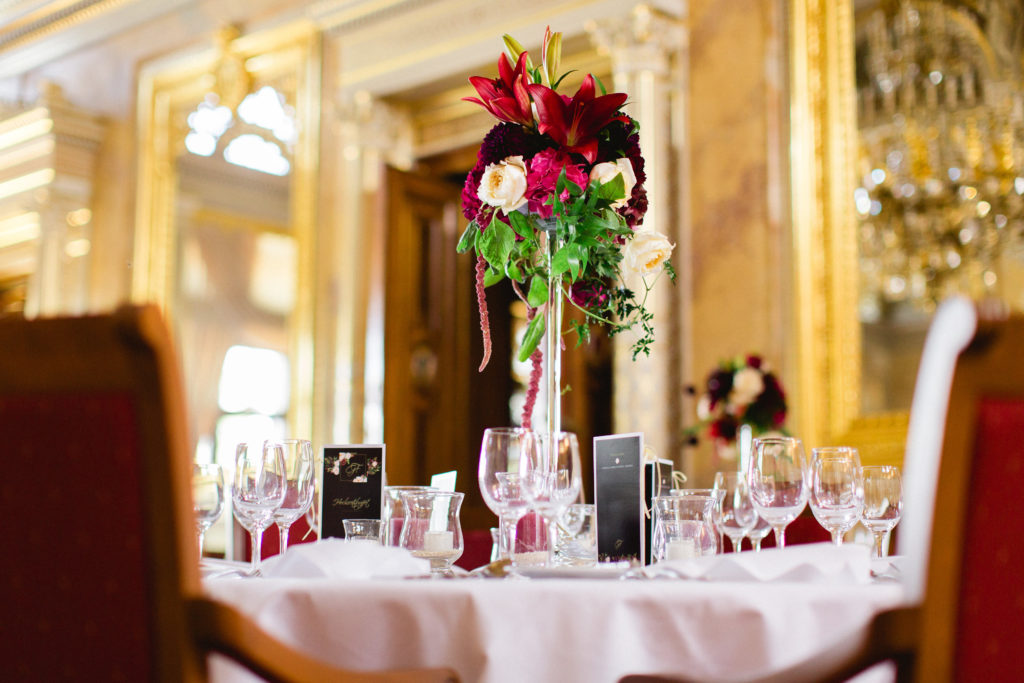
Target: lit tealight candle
(438, 541)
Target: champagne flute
(207, 497)
(883, 504)
(502, 451)
(776, 480)
(299, 471)
(259, 489)
(734, 510)
(836, 489)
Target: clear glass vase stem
(553, 341)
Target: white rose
(504, 184)
(747, 384)
(646, 252)
(606, 171)
(704, 407)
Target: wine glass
(757, 533)
(259, 489)
(502, 451)
(299, 473)
(776, 480)
(552, 477)
(734, 511)
(883, 503)
(836, 489)
(207, 497)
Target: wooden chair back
(98, 556)
(101, 573)
(974, 608)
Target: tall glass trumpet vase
(552, 335)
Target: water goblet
(502, 450)
(432, 529)
(734, 511)
(776, 479)
(883, 504)
(836, 489)
(300, 483)
(207, 497)
(258, 489)
(552, 478)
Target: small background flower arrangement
(567, 169)
(741, 390)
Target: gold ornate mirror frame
(823, 151)
(165, 86)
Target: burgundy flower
(589, 294)
(754, 361)
(719, 385)
(502, 141)
(541, 182)
(506, 97)
(724, 427)
(575, 123)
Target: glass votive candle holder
(432, 529)
(362, 530)
(394, 512)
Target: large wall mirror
(228, 141)
(908, 139)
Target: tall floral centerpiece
(739, 391)
(555, 205)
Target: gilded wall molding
(823, 150)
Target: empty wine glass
(836, 489)
(552, 478)
(207, 497)
(734, 511)
(300, 480)
(502, 451)
(776, 480)
(258, 489)
(758, 532)
(883, 504)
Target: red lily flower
(505, 97)
(574, 123)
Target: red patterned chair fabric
(991, 611)
(71, 465)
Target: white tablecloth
(584, 630)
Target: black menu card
(353, 486)
(618, 497)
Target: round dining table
(559, 629)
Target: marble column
(370, 135)
(648, 49)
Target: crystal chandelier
(940, 196)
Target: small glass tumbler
(362, 530)
(431, 529)
(394, 512)
(576, 543)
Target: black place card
(657, 482)
(618, 497)
(353, 486)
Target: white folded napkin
(337, 559)
(808, 563)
